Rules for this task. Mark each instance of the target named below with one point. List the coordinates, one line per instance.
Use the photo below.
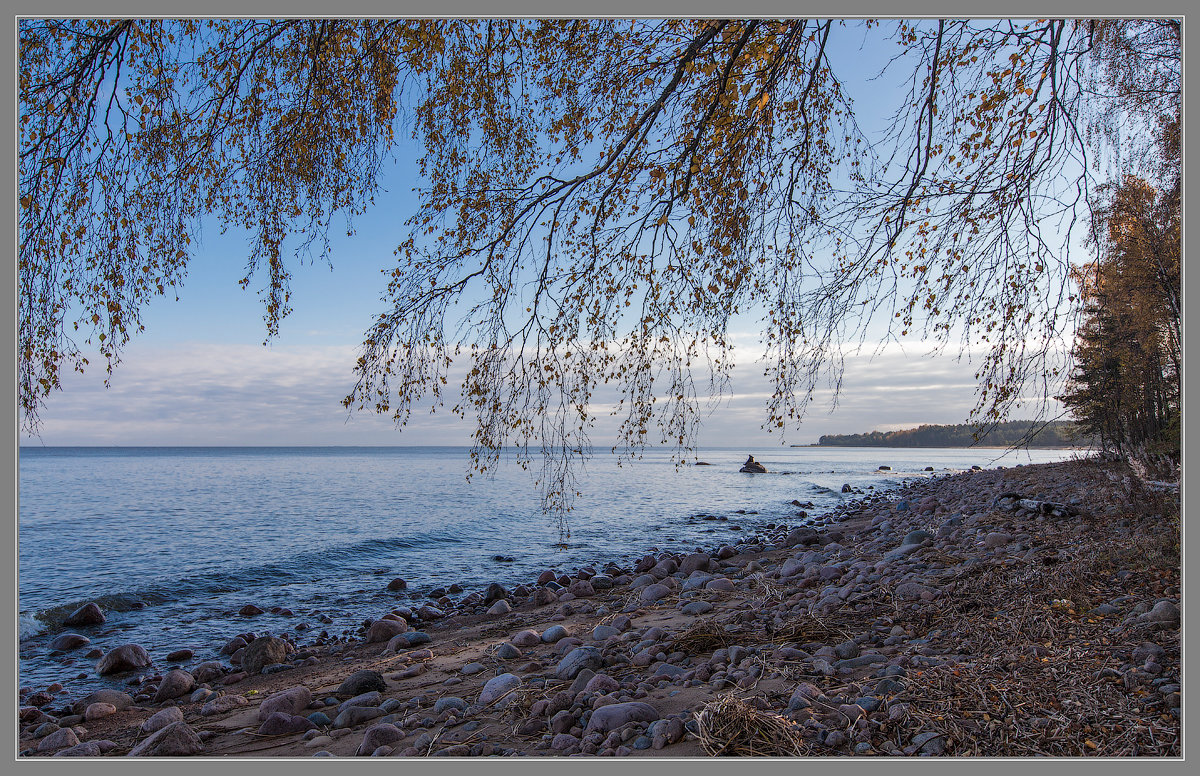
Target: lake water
(171, 542)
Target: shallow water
(173, 541)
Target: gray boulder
(577, 660)
(175, 740)
(383, 734)
(262, 652)
(127, 657)
(616, 715)
(88, 614)
(293, 700)
(363, 681)
(385, 630)
(498, 688)
(174, 684)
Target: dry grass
(731, 727)
(703, 636)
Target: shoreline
(865, 636)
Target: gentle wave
(29, 625)
(299, 568)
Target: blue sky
(200, 375)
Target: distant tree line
(1015, 432)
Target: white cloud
(208, 394)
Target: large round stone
(614, 716)
(127, 657)
(497, 688)
(68, 641)
(577, 660)
(174, 684)
(263, 652)
(361, 682)
(88, 614)
(385, 630)
(293, 700)
(175, 740)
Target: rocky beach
(1007, 612)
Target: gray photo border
(613, 8)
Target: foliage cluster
(1126, 385)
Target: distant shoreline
(943, 447)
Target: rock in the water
(616, 715)
(175, 740)
(385, 630)
(363, 681)
(127, 657)
(208, 671)
(397, 584)
(279, 723)
(69, 641)
(577, 660)
(161, 719)
(88, 614)
(293, 700)
(263, 652)
(498, 688)
(249, 610)
(752, 466)
(174, 684)
(383, 734)
(180, 655)
(233, 645)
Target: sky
(201, 375)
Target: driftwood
(1017, 500)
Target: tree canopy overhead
(599, 198)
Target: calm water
(173, 541)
